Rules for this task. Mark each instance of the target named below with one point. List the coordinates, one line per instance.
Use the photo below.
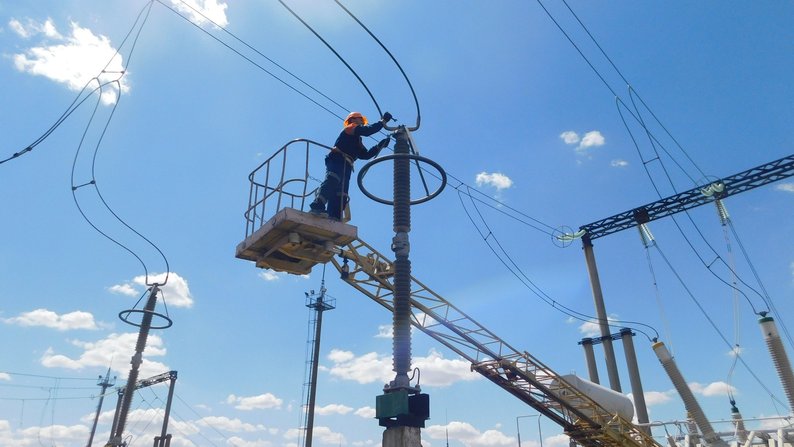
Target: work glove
(386, 118)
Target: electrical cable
(341, 59)
(93, 180)
(657, 294)
(712, 323)
(529, 284)
(408, 81)
(253, 62)
(200, 416)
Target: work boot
(317, 208)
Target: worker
(339, 163)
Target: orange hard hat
(355, 115)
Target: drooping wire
(408, 81)
(631, 89)
(77, 102)
(341, 59)
(683, 233)
(93, 180)
(513, 267)
(252, 62)
(646, 240)
(712, 323)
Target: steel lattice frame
(517, 372)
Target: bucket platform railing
(280, 233)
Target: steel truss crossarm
(518, 373)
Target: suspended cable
(77, 102)
(260, 67)
(647, 239)
(341, 59)
(512, 266)
(712, 323)
(408, 81)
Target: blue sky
(509, 108)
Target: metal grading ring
(126, 315)
(424, 199)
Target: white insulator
(722, 212)
(690, 403)
(645, 234)
(738, 421)
(779, 357)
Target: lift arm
(518, 373)
(743, 181)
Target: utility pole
(105, 383)
(319, 304)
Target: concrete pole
(589, 356)
(634, 378)
(601, 314)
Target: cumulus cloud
(365, 412)
(269, 275)
(103, 353)
(713, 389)
(560, 440)
(656, 397)
(260, 402)
(385, 331)
(787, 187)
(72, 60)
(333, 409)
(229, 424)
(373, 367)
(47, 318)
(589, 140)
(496, 180)
(591, 328)
(468, 435)
(618, 163)
(202, 11)
(324, 434)
(176, 291)
(4, 376)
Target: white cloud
(496, 180)
(73, 60)
(47, 318)
(712, 389)
(124, 289)
(114, 350)
(591, 328)
(324, 434)
(787, 187)
(269, 275)
(735, 351)
(228, 424)
(656, 397)
(385, 331)
(618, 163)
(235, 441)
(560, 440)
(260, 402)
(197, 10)
(4, 376)
(468, 435)
(570, 137)
(176, 292)
(590, 139)
(365, 412)
(333, 409)
(372, 367)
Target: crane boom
(743, 181)
(519, 373)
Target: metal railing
(281, 181)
